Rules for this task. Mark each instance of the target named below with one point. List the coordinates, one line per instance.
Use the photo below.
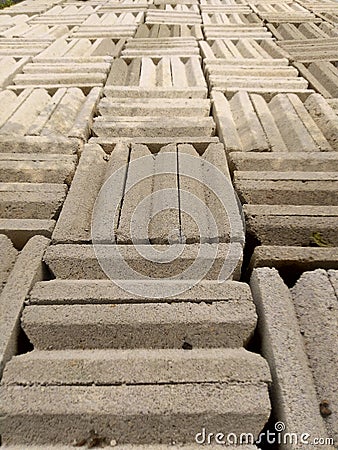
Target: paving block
(291, 188)
(318, 325)
(274, 161)
(293, 390)
(159, 47)
(82, 50)
(21, 47)
(25, 272)
(249, 122)
(226, 30)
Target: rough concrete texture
(80, 261)
(115, 446)
(107, 367)
(293, 390)
(249, 122)
(172, 412)
(301, 258)
(316, 305)
(8, 256)
(26, 271)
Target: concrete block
(156, 16)
(74, 224)
(155, 325)
(31, 200)
(223, 31)
(26, 271)
(318, 325)
(173, 412)
(135, 447)
(111, 367)
(20, 231)
(154, 107)
(9, 67)
(40, 144)
(298, 161)
(77, 292)
(20, 48)
(291, 225)
(79, 261)
(287, 192)
(169, 77)
(145, 31)
(35, 112)
(8, 256)
(37, 168)
(300, 258)
(293, 390)
(250, 122)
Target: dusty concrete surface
(127, 317)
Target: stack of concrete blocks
(87, 89)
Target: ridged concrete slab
(112, 367)
(76, 292)
(319, 324)
(173, 412)
(283, 123)
(293, 389)
(25, 272)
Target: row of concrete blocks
(54, 317)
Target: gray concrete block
(135, 447)
(169, 77)
(40, 144)
(174, 413)
(278, 123)
(111, 367)
(287, 192)
(292, 225)
(293, 390)
(80, 262)
(8, 256)
(302, 258)
(26, 271)
(20, 231)
(31, 200)
(76, 292)
(297, 161)
(37, 168)
(156, 325)
(74, 224)
(152, 126)
(318, 324)
(53, 116)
